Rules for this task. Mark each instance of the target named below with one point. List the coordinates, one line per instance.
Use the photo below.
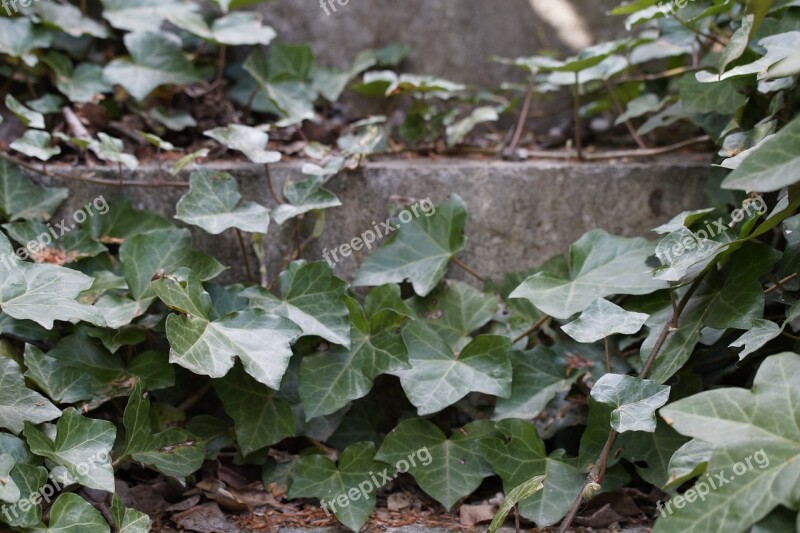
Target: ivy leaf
(145, 254)
(304, 196)
(755, 338)
(447, 469)
(19, 37)
(777, 46)
(213, 204)
(538, 375)
(739, 424)
(688, 461)
(251, 142)
(634, 401)
(519, 456)
(26, 115)
(81, 445)
(81, 84)
(772, 165)
(207, 347)
(650, 452)
(236, 29)
(318, 477)
(420, 250)
(187, 160)
(439, 378)
(143, 15)
(113, 150)
(311, 297)
(36, 143)
(599, 265)
(684, 254)
(174, 452)
(328, 381)
(155, 60)
(30, 479)
(72, 514)
(721, 97)
(19, 198)
(790, 264)
(69, 19)
(454, 310)
(603, 319)
(260, 419)
(42, 292)
(128, 520)
(458, 131)
(19, 404)
(9, 490)
(738, 43)
(122, 221)
(513, 498)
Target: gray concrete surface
(520, 214)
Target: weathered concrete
(520, 214)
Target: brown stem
(608, 354)
(576, 118)
(779, 285)
(245, 256)
(599, 468)
(523, 116)
(671, 73)
(619, 154)
(621, 111)
(119, 173)
(271, 188)
(535, 327)
(468, 269)
(221, 62)
(196, 396)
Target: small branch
(245, 256)
(523, 117)
(621, 111)
(779, 285)
(658, 76)
(196, 396)
(221, 62)
(535, 327)
(271, 188)
(790, 336)
(469, 270)
(608, 354)
(576, 118)
(619, 154)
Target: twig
(245, 256)
(269, 185)
(535, 327)
(576, 118)
(195, 396)
(671, 73)
(469, 270)
(599, 469)
(621, 111)
(617, 154)
(87, 179)
(523, 117)
(779, 285)
(789, 335)
(221, 62)
(608, 354)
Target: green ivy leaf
(351, 482)
(122, 221)
(778, 47)
(113, 150)
(144, 15)
(600, 265)
(212, 203)
(634, 401)
(311, 297)
(19, 37)
(772, 165)
(261, 341)
(36, 143)
(72, 514)
(329, 380)
(455, 310)
(650, 452)
(721, 97)
(81, 84)
(68, 19)
(19, 198)
(30, 479)
(174, 452)
(251, 142)
(439, 378)
(19, 404)
(457, 132)
(519, 456)
(513, 498)
(304, 196)
(26, 115)
(688, 461)
(420, 250)
(42, 292)
(447, 469)
(260, 419)
(538, 375)
(603, 319)
(128, 520)
(236, 29)
(740, 425)
(738, 43)
(81, 445)
(9, 490)
(155, 60)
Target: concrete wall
(520, 214)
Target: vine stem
(271, 188)
(619, 154)
(196, 396)
(523, 116)
(576, 117)
(780, 283)
(247, 268)
(599, 468)
(535, 327)
(468, 269)
(608, 354)
(634, 134)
